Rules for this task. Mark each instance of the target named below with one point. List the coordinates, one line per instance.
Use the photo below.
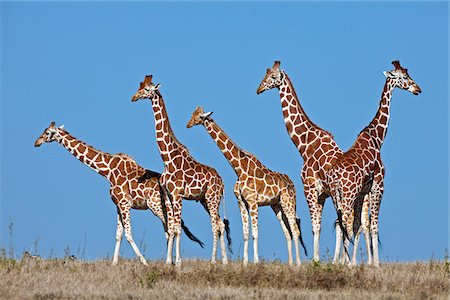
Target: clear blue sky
(79, 64)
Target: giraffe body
(360, 171)
(183, 177)
(256, 186)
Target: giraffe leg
(315, 210)
(254, 219)
(376, 194)
(245, 228)
(177, 206)
(279, 213)
(155, 205)
(119, 234)
(347, 219)
(355, 247)
(223, 246)
(365, 224)
(213, 197)
(337, 247)
(170, 226)
(244, 217)
(125, 215)
(215, 227)
(374, 211)
(288, 205)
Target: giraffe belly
(139, 203)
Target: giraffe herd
(353, 179)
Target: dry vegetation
(65, 279)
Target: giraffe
(256, 186)
(184, 178)
(315, 145)
(352, 174)
(132, 186)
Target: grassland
(30, 278)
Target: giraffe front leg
(374, 211)
(278, 212)
(119, 233)
(125, 215)
(169, 223)
(177, 207)
(245, 227)
(315, 211)
(365, 224)
(254, 218)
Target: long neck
(95, 159)
(167, 142)
(379, 125)
(230, 150)
(297, 122)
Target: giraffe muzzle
(260, 90)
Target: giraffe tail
(190, 235)
(226, 222)
(341, 225)
(300, 236)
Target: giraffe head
(272, 79)
(401, 78)
(147, 89)
(49, 135)
(198, 117)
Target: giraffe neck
(167, 142)
(379, 125)
(230, 150)
(297, 122)
(93, 158)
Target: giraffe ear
(389, 74)
(158, 86)
(205, 115)
(61, 127)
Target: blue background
(79, 64)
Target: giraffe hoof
(225, 262)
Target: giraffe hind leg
(125, 216)
(279, 213)
(119, 234)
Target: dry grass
(61, 279)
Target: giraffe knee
(129, 237)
